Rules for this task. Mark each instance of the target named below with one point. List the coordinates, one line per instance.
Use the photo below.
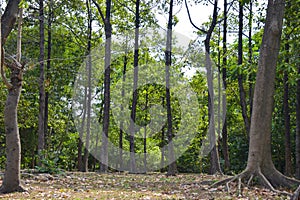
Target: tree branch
(191, 21)
(99, 10)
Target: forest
(104, 99)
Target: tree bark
(171, 157)
(89, 89)
(260, 162)
(49, 51)
(41, 121)
(11, 181)
(122, 109)
(240, 76)
(224, 77)
(107, 62)
(250, 56)
(214, 155)
(135, 92)
(287, 126)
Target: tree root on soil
(4, 190)
(268, 182)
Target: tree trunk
(121, 167)
(162, 143)
(287, 126)
(107, 62)
(81, 132)
(250, 56)
(171, 157)
(89, 89)
(41, 121)
(11, 181)
(240, 76)
(214, 156)
(49, 49)
(224, 77)
(260, 162)
(145, 134)
(135, 92)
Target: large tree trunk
(260, 162)
(11, 181)
(41, 121)
(171, 157)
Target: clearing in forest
(77, 185)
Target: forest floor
(76, 185)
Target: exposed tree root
(296, 194)
(269, 182)
(5, 190)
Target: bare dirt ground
(76, 185)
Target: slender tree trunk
(298, 127)
(240, 76)
(81, 131)
(224, 77)
(287, 123)
(145, 135)
(41, 123)
(214, 156)
(287, 127)
(11, 181)
(49, 49)
(135, 91)
(107, 62)
(122, 109)
(251, 88)
(162, 143)
(89, 89)
(172, 169)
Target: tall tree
(287, 119)
(41, 121)
(260, 162)
(107, 67)
(135, 91)
(11, 181)
(89, 87)
(214, 155)
(47, 76)
(171, 157)
(240, 63)
(224, 77)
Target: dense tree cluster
(74, 58)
